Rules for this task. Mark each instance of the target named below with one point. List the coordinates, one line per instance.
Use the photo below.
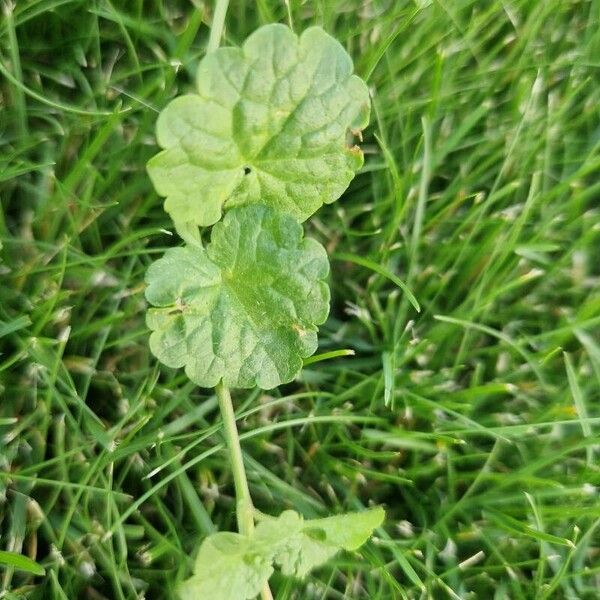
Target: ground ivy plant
(260, 145)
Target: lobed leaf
(244, 310)
(227, 567)
(231, 566)
(299, 546)
(269, 124)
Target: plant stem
(218, 23)
(245, 508)
(265, 593)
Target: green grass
(474, 422)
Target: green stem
(245, 507)
(218, 23)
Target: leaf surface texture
(268, 123)
(246, 308)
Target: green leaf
(269, 123)
(21, 563)
(299, 546)
(231, 566)
(246, 308)
(228, 567)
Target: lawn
(475, 422)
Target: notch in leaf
(245, 310)
(298, 546)
(231, 566)
(269, 124)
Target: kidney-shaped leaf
(246, 308)
(269, 123)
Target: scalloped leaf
(228, 567)
(269, 123)
(231, 566)
(244, 310)
(298, 546)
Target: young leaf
(246, 308)
(298, 546)
(268, 124)
(228, 567)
